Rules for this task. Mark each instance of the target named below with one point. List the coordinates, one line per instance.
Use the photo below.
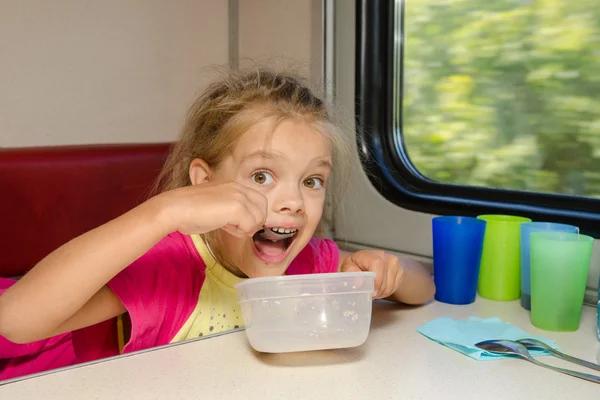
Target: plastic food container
(307, 312)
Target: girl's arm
(415, 283)
(67, 289)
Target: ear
(199, 171)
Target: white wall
(113, 71)
(75, 71)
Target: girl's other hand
(388, 272)
(239, 210)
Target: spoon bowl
(505, 347)
(509, 347)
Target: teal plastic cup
(526, 230)
(560, 263)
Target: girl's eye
(262, 178)
(313, 183)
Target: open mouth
(272, 244)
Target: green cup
(559, 264)
(500, 271)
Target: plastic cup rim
(504, 218)
(535, 224)
(559, 235)
(450, 218)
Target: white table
(396, 362)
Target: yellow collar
(213, 267)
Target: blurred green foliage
(504, 93)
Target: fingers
(371, 261)
(253, 219)
(258, 206)
(350, 267)
(256, 198)
(249, 212)
(388, 272)
(381, 276)
(394, 276)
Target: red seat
(49, 195)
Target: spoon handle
(575, 360)
(581, 375)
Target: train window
(503, 93)
(470, 106)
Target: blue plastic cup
(526, 230)
(457, 247)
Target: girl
(243, 194)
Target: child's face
(290, 166)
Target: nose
(289, 200)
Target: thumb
(349, 266)
(366, 260)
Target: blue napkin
(463, 334)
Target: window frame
(379, 78)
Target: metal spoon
(517, 349)
(536, 344)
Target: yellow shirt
(217, 309)
(178, 291)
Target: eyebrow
(268, 155)
(325, 163)
(262, 154)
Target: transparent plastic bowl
(307, 312)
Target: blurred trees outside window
(504, 93)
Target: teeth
(276, 234)
(283, 230)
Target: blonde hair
(236, 101)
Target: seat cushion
(50, 195)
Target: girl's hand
(388, 272)
(239, 210)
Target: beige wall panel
(276, 30)
(74, 71)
